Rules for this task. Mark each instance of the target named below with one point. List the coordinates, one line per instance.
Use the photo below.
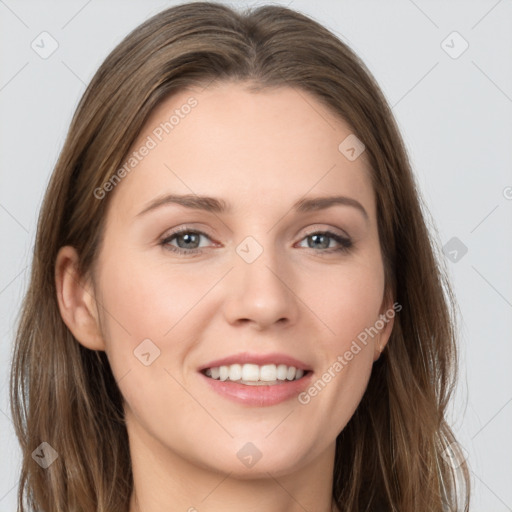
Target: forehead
(253, 149)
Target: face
(242, 286)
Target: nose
(261, 293)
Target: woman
(299, 357)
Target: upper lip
(259, 359)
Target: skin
(260, 152)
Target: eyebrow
(214, 205)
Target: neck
(164, 481)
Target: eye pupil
(316, 237)
(188, 238)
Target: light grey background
(455, 116)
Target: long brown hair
(392, 453)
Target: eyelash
(345, 244)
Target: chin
(256, 459)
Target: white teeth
(250, 372)
(268, 373)
(224, 372)
(235, 372)
(282, 371)
(254, 374)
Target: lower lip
(259, 396)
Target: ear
(387, 318)
(77, 303)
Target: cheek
(351, 302)
(149, 299)
(147, 318)
(349, 305)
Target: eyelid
(183, 229)
(317, 228)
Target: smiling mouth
(256, 375)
